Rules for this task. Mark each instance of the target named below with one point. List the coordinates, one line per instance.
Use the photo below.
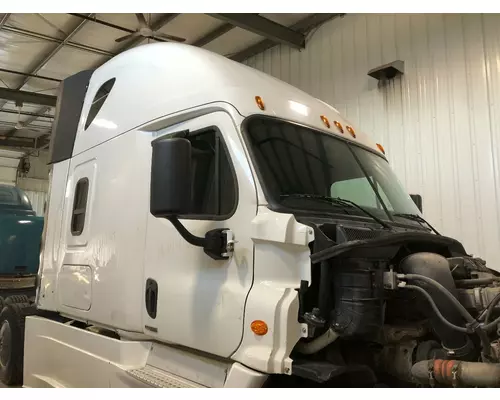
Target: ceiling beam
(11, 71)
(264, 27)
(41, 63)
(42, 141)
(29, 114)
(211, 36)
(17, 142)
(303, 26)
(102, 22)
(47, 57)
(4, 19)
(74, 45)
(28, 97)
(28, 121)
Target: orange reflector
(351, 131)
(260, 103)
(325, 121)
(339, 126)
(259, 327)
(381, 148)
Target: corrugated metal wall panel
(37, 201)
(439, 122)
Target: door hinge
(219, 244)
(230, 242)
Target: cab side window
(214, 191)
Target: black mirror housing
(171, 177)
(417, 199)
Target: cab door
(191, 299)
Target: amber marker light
(339, 126)
(259, 327)
(325, 121)
(260, 103)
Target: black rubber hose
(481, 331)
(437, 267)
(492, 324)
(436, 309)
(414, 277)
(490, 308)
(476, 282)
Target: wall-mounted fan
(145, 31)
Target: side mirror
(417, 199)
(170, 177)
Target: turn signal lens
(339, 126)
(351, 131)
(259, 327)
(260, 103)
(381, 148)
(325, 121)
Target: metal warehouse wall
(439, 123)
(36, 183)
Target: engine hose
(480, 331)
(442, 289)
(490, 308)
(457, 373)
(476, 282)
(487, 327)
(435, 308)
(317, 344)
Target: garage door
(9, 160)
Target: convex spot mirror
(170, 177)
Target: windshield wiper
(417, 218)
(341, 202)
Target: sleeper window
(99, 100)
(79, 207)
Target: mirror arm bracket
(187, 236)
(217, 243)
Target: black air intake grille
(347, 234)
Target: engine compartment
(397, 309)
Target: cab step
(160, 379)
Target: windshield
(294, 160)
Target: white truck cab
(211, 226)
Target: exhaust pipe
(457, 373)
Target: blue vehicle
(20, 242)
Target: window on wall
(214, 191)
(99, 99)
(79, 207)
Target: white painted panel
(440, 122)
(75, 286)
